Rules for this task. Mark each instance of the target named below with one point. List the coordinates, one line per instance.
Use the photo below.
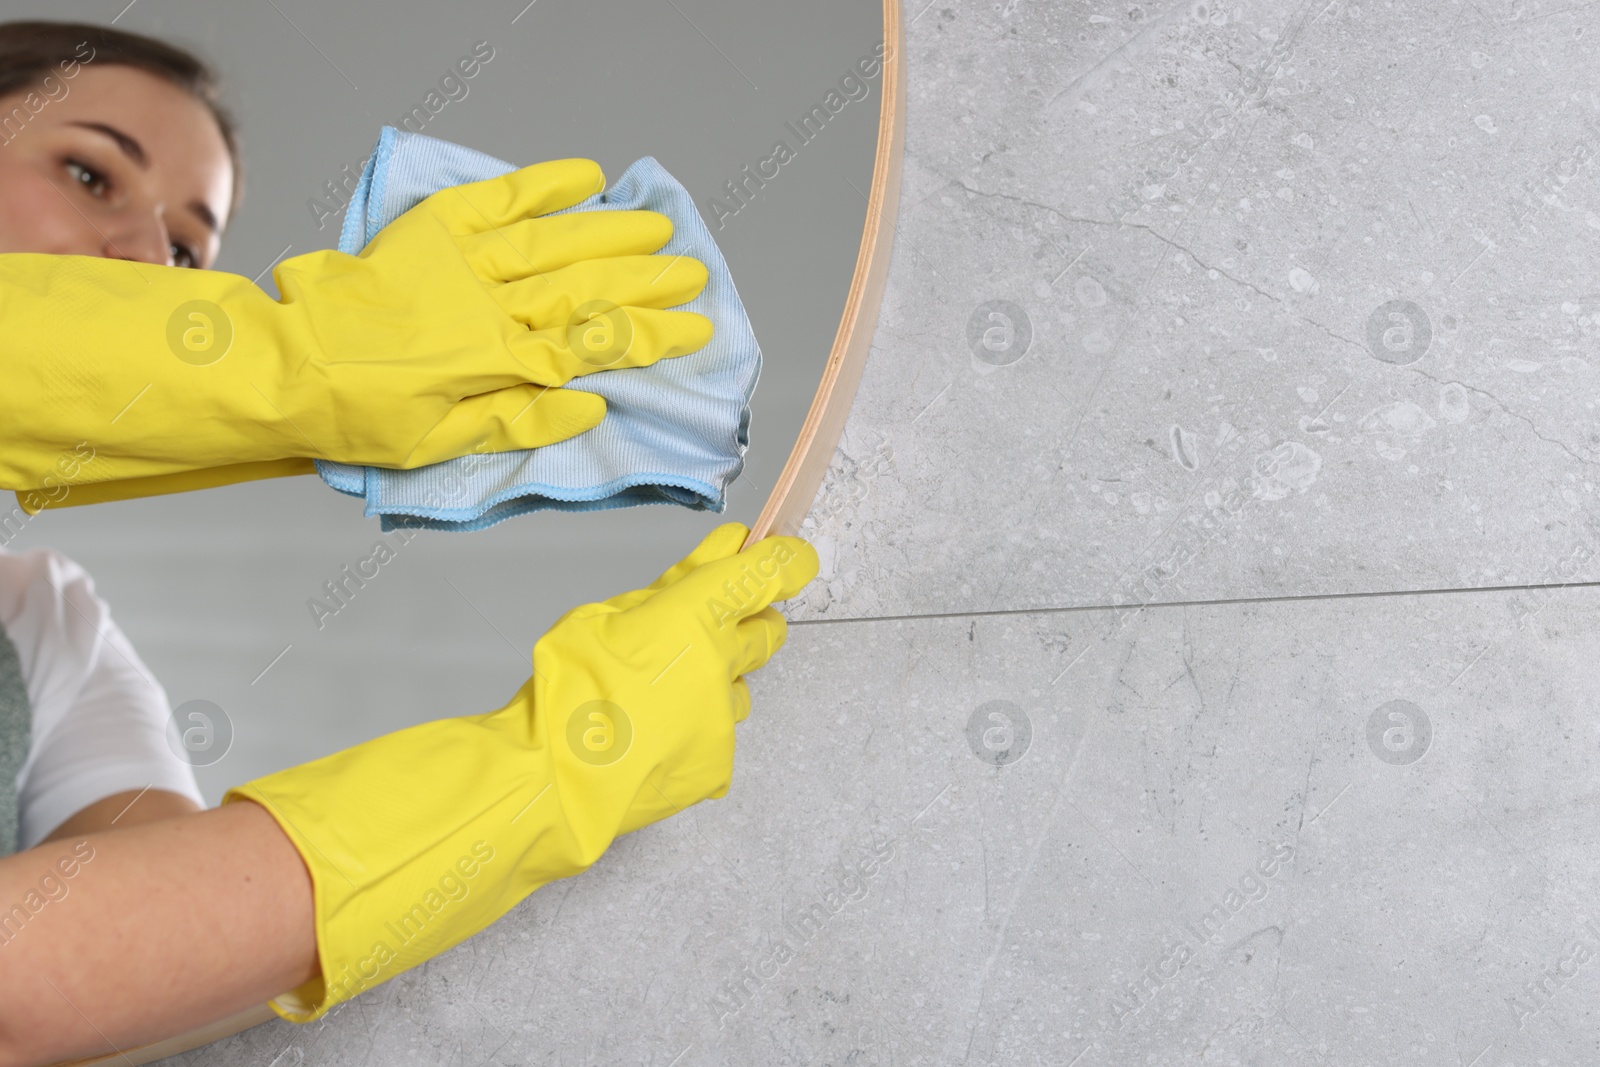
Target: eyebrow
(205, 214)
(130, 148)
(135, 151)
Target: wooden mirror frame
(797, 485)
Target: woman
(125, 915)
(67, 182)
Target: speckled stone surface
(1344, 831)
(1305, 296)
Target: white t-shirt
(101, 722)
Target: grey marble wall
(1200, 668)
(1302, 296)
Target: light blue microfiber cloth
(673, 433)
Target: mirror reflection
(349, 350)
(276, 618)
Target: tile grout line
(1002, 612)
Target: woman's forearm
(113, 940)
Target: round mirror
(282, 622)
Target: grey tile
(1314, 286)
(1100, 895)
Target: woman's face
(126, 165)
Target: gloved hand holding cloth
(450, 333)
(418, 839)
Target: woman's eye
(183, 256)
(88, 177)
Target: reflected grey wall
(212, 587)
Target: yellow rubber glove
(418, 839)
(62, 492)
(446, 335)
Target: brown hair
(29, 51)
